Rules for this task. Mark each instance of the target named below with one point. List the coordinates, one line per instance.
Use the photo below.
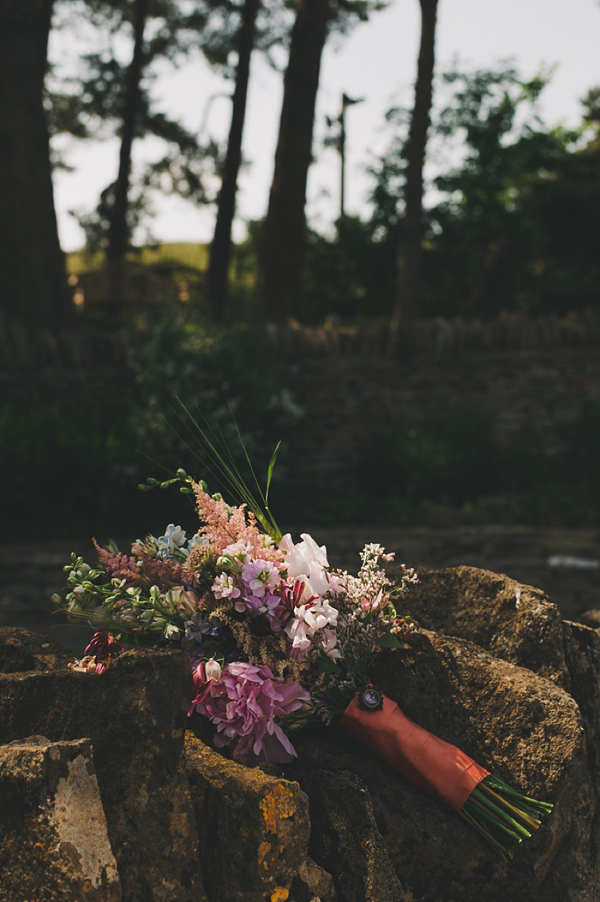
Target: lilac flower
(195, 630)
(256, 605)
(243, 705)
(260, 576)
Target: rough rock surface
(312, 884)
(345, 838)
(512, 621)
(134, 716)
(495, 670)
(22, 651)
(53, 838)
(513, 686)
(524, 729)
(253, 827)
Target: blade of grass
(225, 464)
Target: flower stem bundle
(503, 816)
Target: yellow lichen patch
(263, 851)
(277, 803)
(280, 894)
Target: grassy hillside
(185, 252)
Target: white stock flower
(328, 643)
(308, 619)
(306, 561)
(296, 631)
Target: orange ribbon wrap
(425, 760)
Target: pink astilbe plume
(144, 569)
(119, 565)
(224, 525)
(165, 574)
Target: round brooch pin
(370, 699)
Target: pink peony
(243, 705)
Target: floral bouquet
(276, 638)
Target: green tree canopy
(111, 95)
(511, 214)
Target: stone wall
(351, 381)
(350, 387)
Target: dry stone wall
(350, 381)
(345, 399)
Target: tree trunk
(33, 284)
(220, 250)
(282, 245)
(118, 231)
(408, 279)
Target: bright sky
(376, 62)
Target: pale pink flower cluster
(253, 584)
(225, 587)
(366, 593)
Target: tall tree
(106, 97)
(282, 241)
(283, 236)
(118, 233)
(495, 238)
(220, 250)
(33, 283)
(409, 261)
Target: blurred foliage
(511, 216)
(68, 470)
(450, 471)
(510, 224)
(71, 468)
(346, 275)
(451, 468)
(512, 211)
(229, 378)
